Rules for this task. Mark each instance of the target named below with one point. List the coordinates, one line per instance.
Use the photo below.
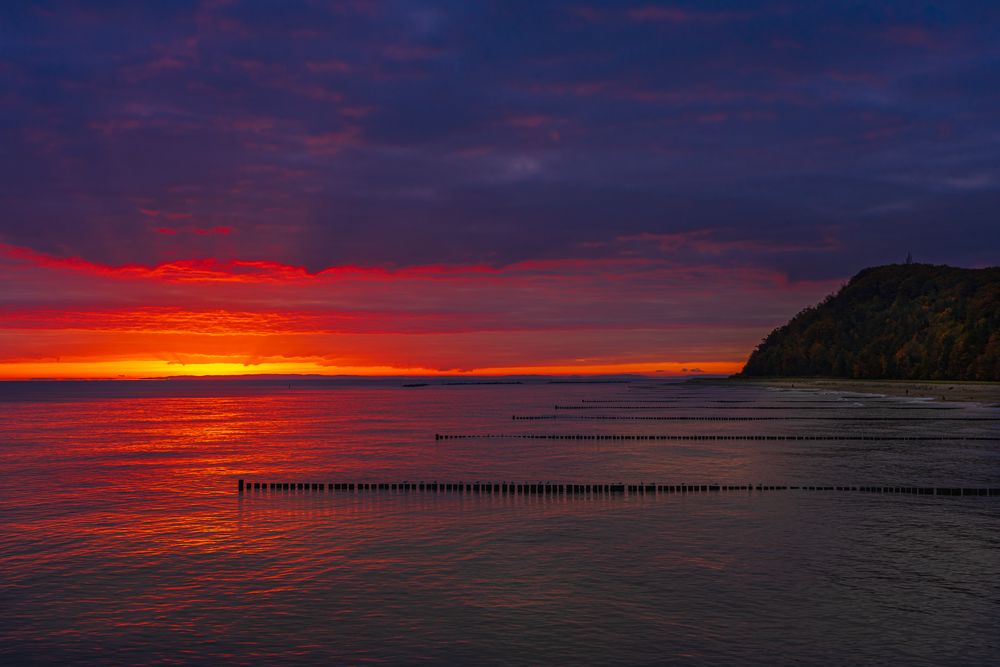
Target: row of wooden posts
(752, 407)
(552, 489)
(768, 418)
(686, 437)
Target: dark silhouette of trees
(901, 321)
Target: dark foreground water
(122, 539)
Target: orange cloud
(60, 316)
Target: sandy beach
(977, 392)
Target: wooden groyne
(751, 407)
(632, 401)
(749, 418)
(637, 401)
(688, 437)
(510, 488)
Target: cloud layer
(471, 186)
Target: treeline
(902, 321)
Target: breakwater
(510, 488)
(702, 437)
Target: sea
(124, 539)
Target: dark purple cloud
(808, 138)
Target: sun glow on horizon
(153, 369)
(86, 320)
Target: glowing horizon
(89, 320)
(155, 369)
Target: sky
(227, 186)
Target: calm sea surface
(123, 540)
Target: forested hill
(902, 321)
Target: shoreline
(986, 393)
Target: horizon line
(319, 376)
